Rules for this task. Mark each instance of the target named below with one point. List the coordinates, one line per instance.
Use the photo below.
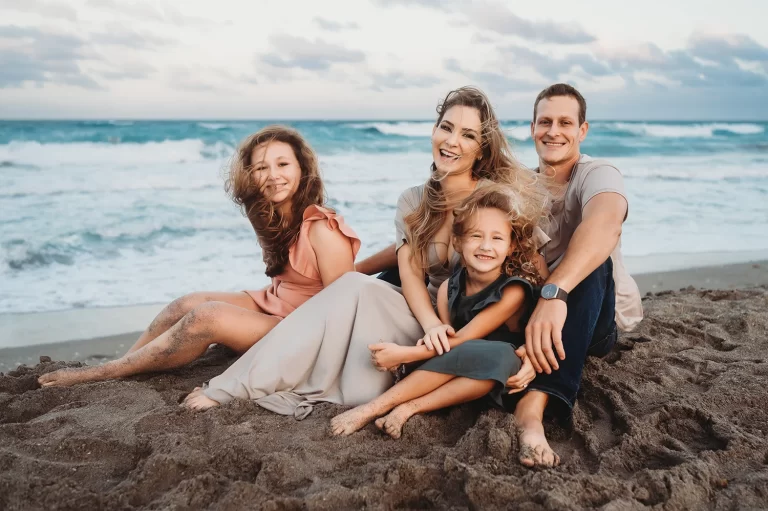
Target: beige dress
(319, 353)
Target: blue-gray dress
(492, 358)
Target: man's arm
(592, 243)
(378, 262)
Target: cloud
(552, 67)
(497, 17)
(399, 80)
(497, 83)
(33, 56)
(725, 48)
(160, 13)
(686, 68)
(189, 80)
(43, 8)
(297, 52)
(132, 71)
(335, 26)
(119, 36)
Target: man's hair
(563, 89)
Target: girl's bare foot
(392, 424)
(353, 420)
(535, 451)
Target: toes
(380, 423)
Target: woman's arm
(378, 262)
(333, 251)
(415, 290)
(541, 266)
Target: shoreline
(96, 335)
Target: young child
(487, 301)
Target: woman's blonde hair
(523, 214)
(275, 232)
(497, 165)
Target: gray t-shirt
(591, 177)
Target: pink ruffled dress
(300, 279)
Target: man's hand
(544, 330)
(388, 355)
(436, 338)
(518, 382)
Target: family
(500, 283)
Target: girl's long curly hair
(523, 216)
(275, 232)
(497, 164)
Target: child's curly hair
(524, 214)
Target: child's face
(488, 242)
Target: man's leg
(589, 324)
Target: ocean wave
(708, 130)
(401, 128)
(93, 153)
(213, 125)
(521, 133)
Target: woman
(323, 347)
(275, 179)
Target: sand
(676, 417)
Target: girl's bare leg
(211, 322)
(457, 391)
(416, 384)
(178, 308)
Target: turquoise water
(102, 213)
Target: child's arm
(488, 320)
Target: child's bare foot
(534, 448)
(353, 420)
(70, 376)
(197, 400)
(392, 424)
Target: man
(588, 291)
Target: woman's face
(277, 171)
(456, 140)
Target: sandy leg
(392, 424)
(534, 448)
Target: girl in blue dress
(486, 301)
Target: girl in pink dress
(275, 179)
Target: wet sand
(676, 417)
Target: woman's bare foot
(353, 420)
(392, 424)
(197, 400)
(71, 376)
(535, 451)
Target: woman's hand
(526, 374)
(436, 338)
(386, 356)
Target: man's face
(556, 131)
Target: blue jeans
(589, 330)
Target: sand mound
(675, 417)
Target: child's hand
(387, 355)
(436, 338)
(526, 374)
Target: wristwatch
(552, 291)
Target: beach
(675, 417)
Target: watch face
(549, 291)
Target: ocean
(110, 213)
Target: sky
(377, 59)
